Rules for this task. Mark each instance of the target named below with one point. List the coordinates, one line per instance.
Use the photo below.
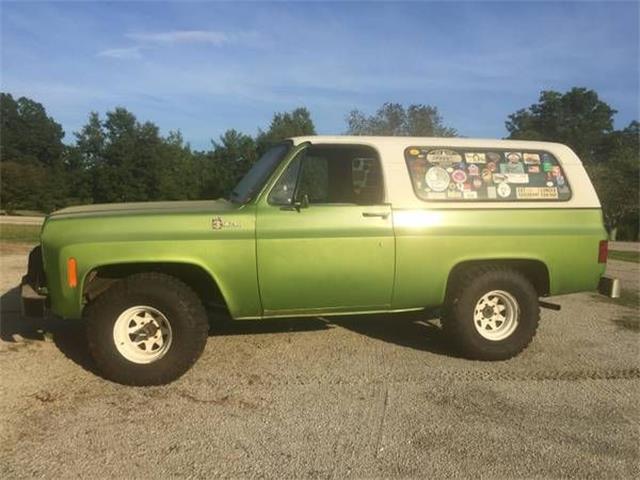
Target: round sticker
(493, 156)
(491, 166)
(458, 176)
(504, 190)
(437, 178)
(513, 157)
(414, 151)
(449, 169)
(549, 184)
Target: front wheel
(492, 313)
(147, 329)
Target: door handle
(375, 214)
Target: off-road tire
(179, 304)
(458, 318)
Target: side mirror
(302, 203)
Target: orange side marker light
(72, 272)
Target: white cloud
(209, 37)
(125, 53)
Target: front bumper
(33, 287)
(34, 304)
(609, 286)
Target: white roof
(381, 142)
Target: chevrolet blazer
(475, 231)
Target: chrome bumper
(609, 286)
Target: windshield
(253, 181)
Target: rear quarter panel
(431, 242)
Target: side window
(454, 174)
(332, 174)
(282, 192)
(314, 179)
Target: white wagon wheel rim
(496, 315)
(142, 334)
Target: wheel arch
(99, 278)
(535, 270)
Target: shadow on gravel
(413, 330)
(68, 335)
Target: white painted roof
(380, 142)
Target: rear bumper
(609, 286)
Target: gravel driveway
(329, 398)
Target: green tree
(393, 119)
(296, 123)
(31, 156)
(616, 177)
(577, 118)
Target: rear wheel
(147, 329)
(492, 313)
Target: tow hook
(549, 305)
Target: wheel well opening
(534, 270)
(100, 279)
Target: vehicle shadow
(412, 330)
(68, 336)
(415, 330)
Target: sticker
(475, 157)
(414, 152)
(549, 184)
(534, 169)
(491, 166)
(511, 168)
(437, 178)
(499, 177)
(513, 157)
(517, 178)
(491, 192)
(453, 187)
(458, 176)
(436, 195)
(486, 176)
(477, 183)
(504, 190)
(444, 156)
(450, 169)
(454, 194)
(494, 157)
(534, 193)
(532, 159)
(470, 195)
(555, 171)
(474, 171)
(546, 166)
(560, 180)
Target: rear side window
(462, 174)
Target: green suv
(475, 231)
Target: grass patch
(624, 256)
(20, 233)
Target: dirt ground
(329, 398)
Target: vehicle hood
(143, 208)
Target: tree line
(117, 158)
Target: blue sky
(206, 67)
